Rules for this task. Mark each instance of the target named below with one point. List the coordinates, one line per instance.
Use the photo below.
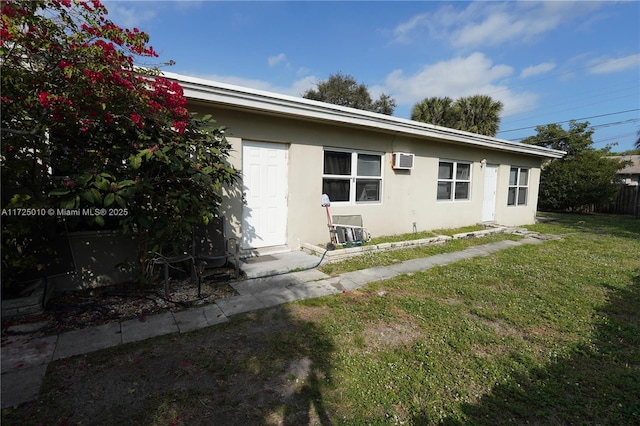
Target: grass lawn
(536, 334)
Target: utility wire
(576, 119)
(614, 123)
(582, 105)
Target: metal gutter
(259, 100)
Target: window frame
(454, 180)
(518, 186)
(353, 176)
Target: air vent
(402, 161)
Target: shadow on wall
(234, 207)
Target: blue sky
(546, 61)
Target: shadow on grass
(265, 367)
(597, 384)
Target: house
(630, 174)
(400, 175)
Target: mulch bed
(72, 310)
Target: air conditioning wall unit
(402, 161)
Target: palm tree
(435, 110)
(478, 114)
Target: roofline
(238, 96)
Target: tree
(478, 114)
(344, 90)
(583, 177)
(85, 126)
(437, 111)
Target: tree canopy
(86, 123)
(584, 177)
(478, 114)
(344, 90)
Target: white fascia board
(243, 97)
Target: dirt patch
(384, 334)
(268, 367)
(500, 327)
(310, 313)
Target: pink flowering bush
(86, 123)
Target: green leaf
(102, 185)
(135, 161)
(109, 199)
(99, 220)
(120, 201)
(68, 204)
(58, 192)
(97, 197)
(143, 221)
(88, 195)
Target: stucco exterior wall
(408, 199)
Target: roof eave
(237, 96)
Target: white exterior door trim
(489, 198)
(264, 194)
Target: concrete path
(24, 360)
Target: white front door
(489, 200)
(264, 178)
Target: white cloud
(607, 65)
(274, 60)
(491, 24)
(297, 87)
(403, 30)
(460, 76)
(537, 69)
(130, 16)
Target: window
(454, 180)
(518, 186)
(352, 177)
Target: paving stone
(346, 283)
(190, 320)
(23, 353)
(412, 266)
(214, 315)
(136, 330)
(310, 275)
(21, 385)
(258, 285)
(87, 340)
(312, 289)
(276, 296)
(239, 304)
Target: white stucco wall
(408, 197)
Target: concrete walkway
(24, 360)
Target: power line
(576, 119)
(613, 123)
(582, 105)
(631, 120)
(616, 137)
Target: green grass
(545, 334)
(535, 334)
(423, 234)
(384, 258)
